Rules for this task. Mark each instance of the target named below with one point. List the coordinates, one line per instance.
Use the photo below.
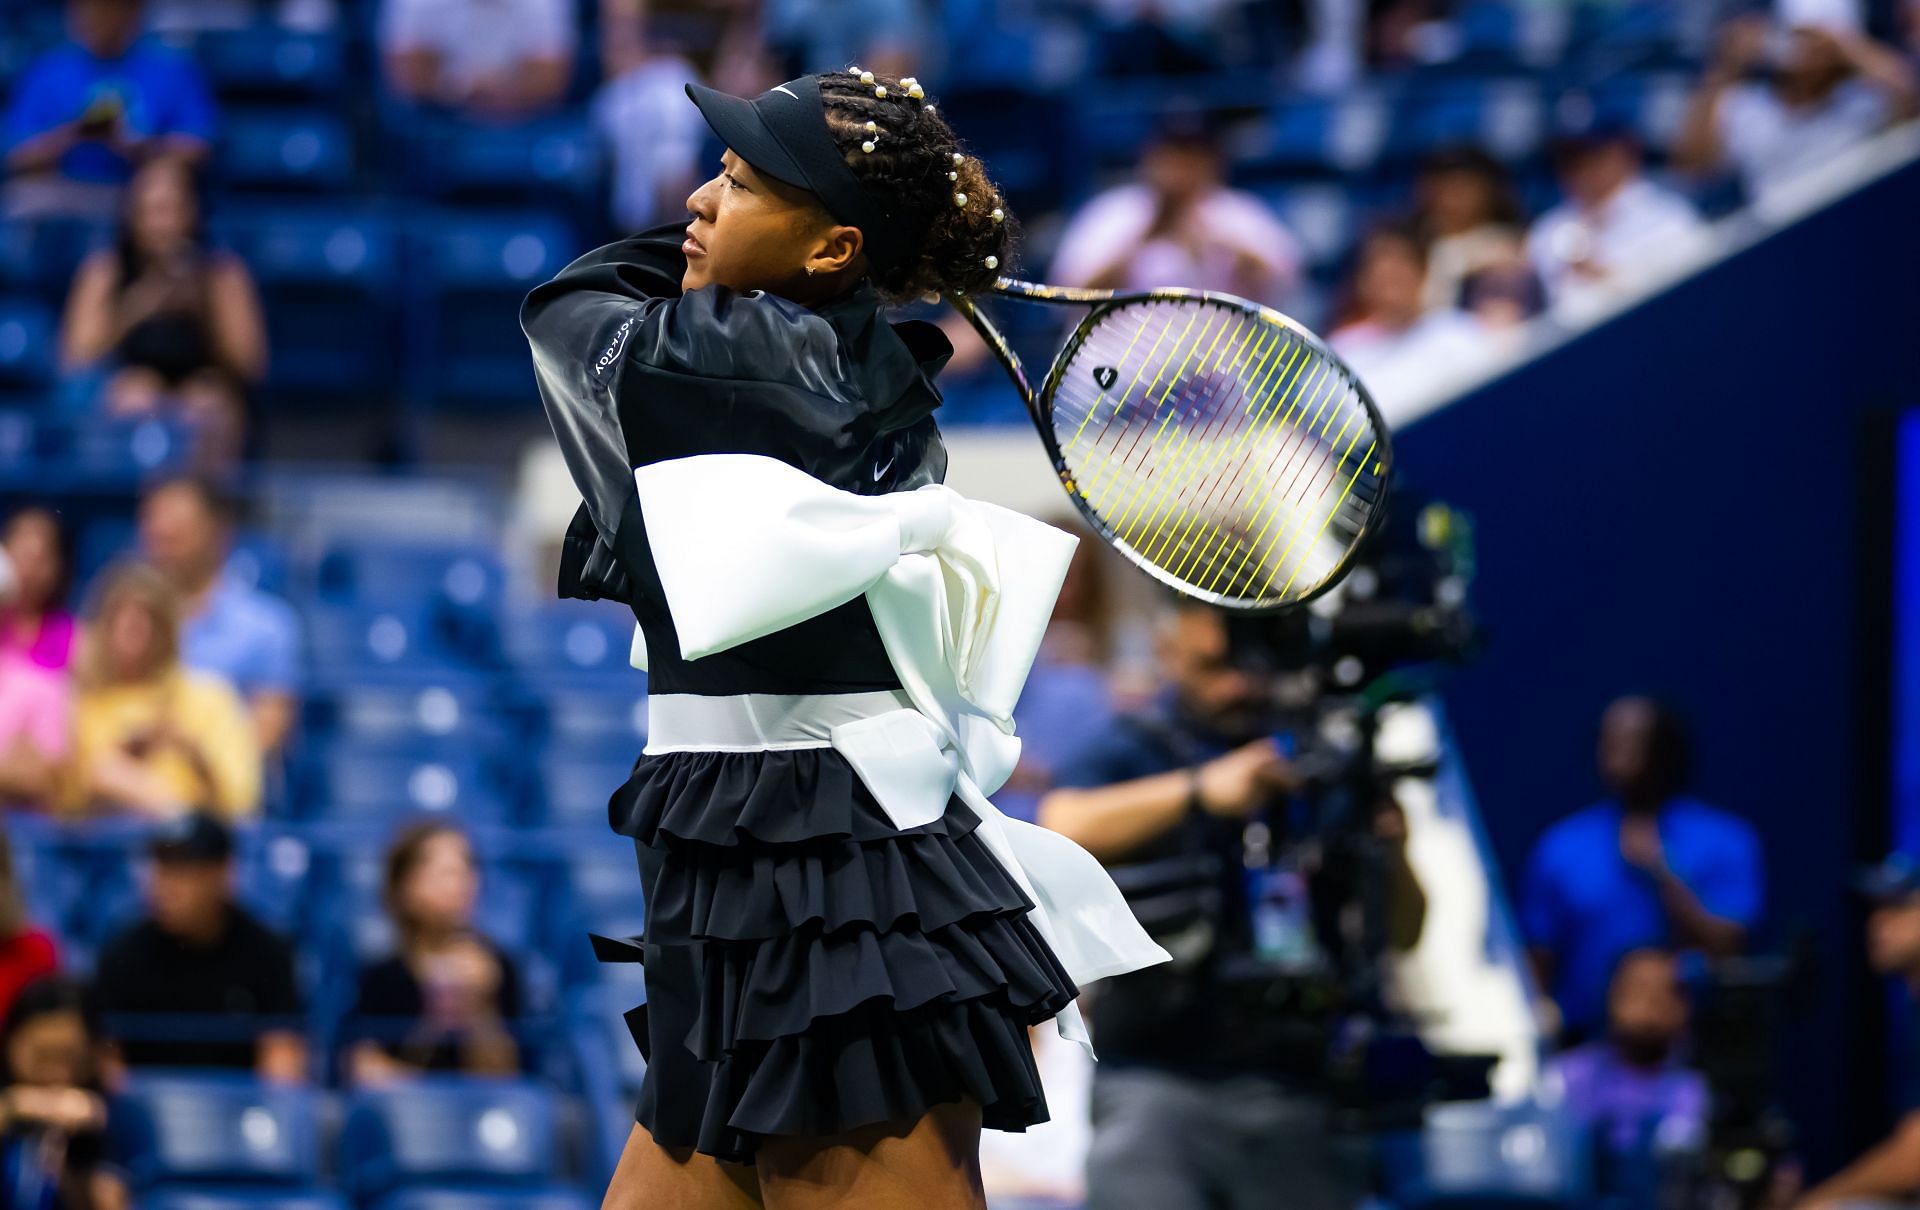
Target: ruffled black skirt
(810, 968)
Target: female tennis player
(845, 943)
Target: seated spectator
(26, 953)
(1889, 1174)
(1179, 225)
(177, 324)
(492, 60)
(1771, 122)
(1630, 1087)
(34, 622)
(1502, 299)
(36, 649)
(443, 1001)
(1401, 350)
(1650, 865)
(1067, 695)
(86, 114)
(200, 982)
(53, 1113)
(1615, 227)
(1467, 213)
(883, 36)
(151, 737)
(654, 142)
(246, 637)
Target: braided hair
(963, 245)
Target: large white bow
(960, 592)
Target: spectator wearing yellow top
(150, 736)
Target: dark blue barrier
(1674, 502)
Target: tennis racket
(1214, 442)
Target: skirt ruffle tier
(812, 969)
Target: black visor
(783, 133)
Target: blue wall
(1672, 503)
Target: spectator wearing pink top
(34, 623)
(36, 646)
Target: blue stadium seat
(449, 1130)
(268, 61)
(29, 344)
(496, 165)
(1653, 104)
(603, 721)
(476, 270)
(220, 1128)
(1475, 1153)
(387, 573)
(352, 645)
(41, 255)
(574, 643)
(474, 1199)
(382, 786)
(328, 280)
(273, 877)
(400, 713)
(304, 150)
(575, 787)
(1321, 216)
(1322, 135)
(242, 1199)
(1505, 117)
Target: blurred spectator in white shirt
(1406, 354)
(650, 52)
(189, 17)
(1776, 103)
(497, 60)
(1179, 226)
(1615, 226)
(1466, 209)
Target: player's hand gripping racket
(1213, 441)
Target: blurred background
(1592, 892)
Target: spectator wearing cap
(490, 60)
(199, 982)
(230, 629)
(1632, 1087)
(1890, 1171)
(1649, 865)
(26, 952)
(1773, 110)
(1179, 225)
(1614, 228)
(86, 114)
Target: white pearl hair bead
(953, 176)
(958, 158)
(873, 128)
(993, 262)
(959, 199)
(999, 215)
(866, 77)
(915, 91)
(929, 106)
(880, 90)
(867, 146)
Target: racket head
(1271, 459)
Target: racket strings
(1220, 446)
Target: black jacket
(632, 372)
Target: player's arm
(1890, 1170)
(1112, 821)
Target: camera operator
(1188, 1112)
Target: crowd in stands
(1438, 130)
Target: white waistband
(758, 722)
